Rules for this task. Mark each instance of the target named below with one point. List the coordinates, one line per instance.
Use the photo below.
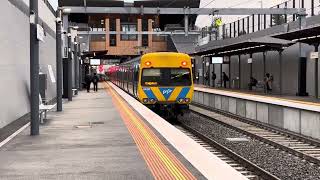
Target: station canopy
(307, 35)
(247, 46)
(135, 3)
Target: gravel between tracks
(279, 163)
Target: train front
(165, 82)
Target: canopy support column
(316, 72)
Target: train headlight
(152, 100)
(187, 100)
(145, 100)
(180, 100)
(184, 63)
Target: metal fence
(259, 22)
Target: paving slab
(88, 140)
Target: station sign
(314, 55)
(40, 33)
(250, 61)
(217, 60)
(95, 62)
(110, 61)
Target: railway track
(304, 147)
(245, 167)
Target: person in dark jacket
(225, 78)
(88, 82)
(95, 81)
(206, 77)
(253, 82)
(214, 77)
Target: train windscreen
(166, 77)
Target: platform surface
(68, 148)
(306, 103)
(88, 140)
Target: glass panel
(317, 7)
(245, 26)
(250, 24)
(232, 31)
(129, 28)
(180, 77)
(166, 77)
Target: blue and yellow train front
(165, 80)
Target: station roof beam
(176, 11)
(247, 47)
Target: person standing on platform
(206, 77)
(95, 81)
(225, 78)
(268, 82)
(214, 77)
(88, 80)
(253, 82)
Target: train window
(180, 77)
(151, 77)
(166, 77)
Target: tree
(278, 19)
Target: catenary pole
(69, 75)
(34, 68)
(59, 58)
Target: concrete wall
(15, 58)
(297, 120)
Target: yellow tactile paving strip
(161, 161)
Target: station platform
(298, 99)
(300, 115)
(108, 135)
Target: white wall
(15, 59)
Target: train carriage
(161, 81)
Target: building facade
(117, 43)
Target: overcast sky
(54, 3)
(205, 20)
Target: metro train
(161, 81)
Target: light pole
(34, 68)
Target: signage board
(314, 55)
(95, 62)
(250, 61)
(40, 33)
(218, 22)
(110, 61)
(51, 74)
(217, 60)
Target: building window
(145, 24)
(113, 40)
(112, 24)
(129, 28)
(145, 40)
